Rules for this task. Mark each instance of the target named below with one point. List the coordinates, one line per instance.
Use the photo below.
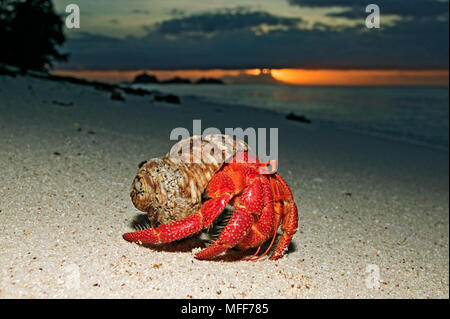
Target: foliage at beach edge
(31, 32)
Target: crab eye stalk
(269, 167)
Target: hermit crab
(186, 191)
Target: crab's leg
(262, 229)
(289, 227)
(255, 199)
(238, 226)
(257, 238)
(286, 211)
(182, 228)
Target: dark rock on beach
(299, 118)
(133, 91)
(63, 104)
(117, 96)
(170, 98)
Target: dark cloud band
(224, 21)
(230, 39)
(356, 8)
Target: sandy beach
(374, 213)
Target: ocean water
(412, 114)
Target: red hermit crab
(225, 171)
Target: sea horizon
(295, 77)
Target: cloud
(177, 12)
(356, 8)
(226, 20)
(233, 43)
(140, 11)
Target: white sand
(62, 217)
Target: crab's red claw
(145, 236)
(184, 227)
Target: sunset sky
(302, 41)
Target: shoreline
(325, 125)
(65, 203)
(411, 135)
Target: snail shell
(170, 188)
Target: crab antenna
(268, 248)
(251, 257)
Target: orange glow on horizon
(254, 72)
(284, 76)
(361, 77)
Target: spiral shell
(170, 188)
